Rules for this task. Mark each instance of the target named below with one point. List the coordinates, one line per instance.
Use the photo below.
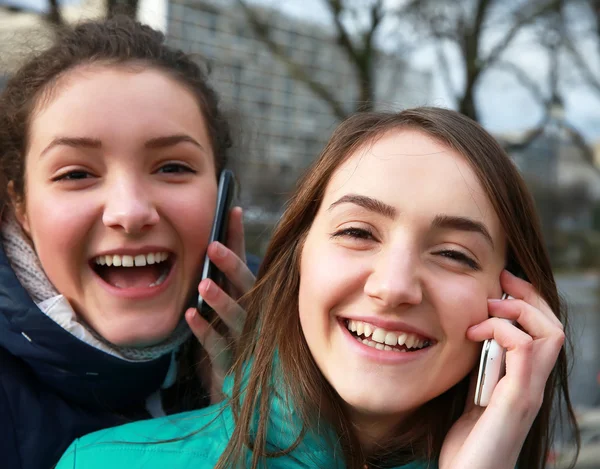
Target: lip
(136, 293)
(390, 325)
(132, 251)
(381, 356)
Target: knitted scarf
(31, 275)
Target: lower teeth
(160, 279)
(378, 346)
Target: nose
(128, 207)
(394, 280)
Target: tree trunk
(54, 16)
(121, 7)
(467, 104)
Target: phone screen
(226, 195)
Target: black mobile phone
(226, 196)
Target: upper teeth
(383, 336)
(129, 261)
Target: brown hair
(273, 326)
(117, 41)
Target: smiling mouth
(381, 339)
(141, 271)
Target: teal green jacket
(196, 440)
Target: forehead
(409, 170)
(116, 101)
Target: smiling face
(120, 191)
(403, 254)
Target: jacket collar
(73, 368)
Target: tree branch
(524, 20)
(586, 71)
(524, 79)
(336, 8)
(376, 19)
(261, 30)
(54, 15)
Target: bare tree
(356, 25)
(463, 28)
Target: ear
(18, 205)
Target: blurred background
(288, 71)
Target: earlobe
(18, 205)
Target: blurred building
(284, 124)
(555, 160)
(566, 187)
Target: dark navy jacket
(54, 387)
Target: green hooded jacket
(197, 439)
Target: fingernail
(191, 313)
(221, 251)
(472, 328)
(207, 289)
(494, 300)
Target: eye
(75, 175)
(175, 168)
(459, 256)
(354, 233)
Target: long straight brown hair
(273, 345)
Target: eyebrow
(171, 140)
(440, 221)
(74, 142)
(462, 224)
(368, 203)
(154, 143)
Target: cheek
(191, 213)
(58, 226)
(329, 279)
(460, 306)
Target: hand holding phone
(226, 195)
(491, 368)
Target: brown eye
(73, 176)
(353, 232)
(459, 257)
(175, 168)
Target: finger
(502, 331)
(518, 356)
(523, 345)
(234, 268)
(232, 314)
(535, 323)
(217, 347)
(523, 290)
(235, 233)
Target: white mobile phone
(491, 368)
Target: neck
(374, 429)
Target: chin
(145, 335)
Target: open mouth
(140, 271)
(381, 339)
